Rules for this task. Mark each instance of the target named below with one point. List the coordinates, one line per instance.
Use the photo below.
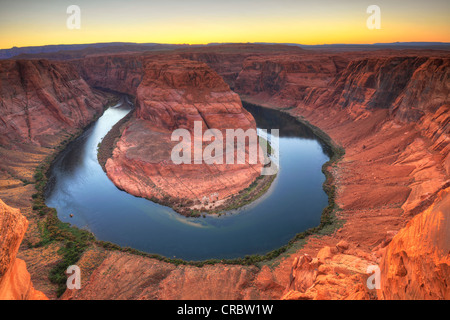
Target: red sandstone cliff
(416, 264)
(41, 104)
(407, 86)
(228, 60)
(121, 72)
(412, 89)
(39, 99)
(288, 80)
(15, 281)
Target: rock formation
(39, 99)
(15, 281)
(407, 86)
(121, 73)
(173, 94)
(337, 273)
(416, 264)
(42, 104)
(286, 81)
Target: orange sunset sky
(33, 23)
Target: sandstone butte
(388, 109)
(173, 95)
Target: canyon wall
(413, 90)
(42, 103)
(39, 99)
(287, 81)
(122, 72)
(227, 65)
(408, 87)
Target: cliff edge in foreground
(15, 281)
(416, 264)
(175, 94)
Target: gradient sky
(33, 23)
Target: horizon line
(225, 43)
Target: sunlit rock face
(15, 281)
(416, 264)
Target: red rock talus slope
(15, 281)
(338, 272)
(173, 94)
(416, 264)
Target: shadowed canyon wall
(416, 264)
(40, 98)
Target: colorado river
(293, 203)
